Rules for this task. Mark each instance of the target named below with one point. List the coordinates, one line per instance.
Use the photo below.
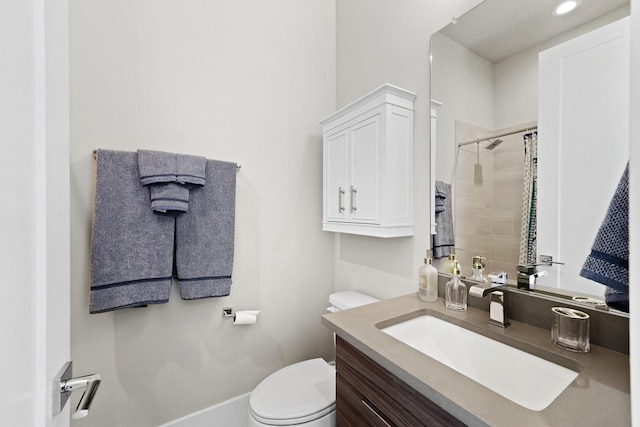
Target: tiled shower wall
(487, 211)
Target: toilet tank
(348, 299)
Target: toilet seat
(295, 394)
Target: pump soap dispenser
(456, 291)
(477, 269)
(428, 281)
(448, 264)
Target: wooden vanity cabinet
(368, 394)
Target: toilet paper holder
(246, 317)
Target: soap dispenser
(428, 281)
(477, 268)
(456, 291)
(448, 264)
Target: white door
(34, 212)
(364, 183)
(336, 162)
(583, 126)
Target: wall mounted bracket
(64, 384)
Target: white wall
(465, 88)
(17, 250)
(634, 217)
(238, 81)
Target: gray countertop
(598, 396)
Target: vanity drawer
(367, 392)
(354, 408)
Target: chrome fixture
(513, 132)
(493, 144)
(497, 305)
(527, 275)
(64, 385)
(548, 260)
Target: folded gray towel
(169, 199)
(170, 177)
(157, 167)
(131, 249)
(443, 240)
(205, 235)
(190, 170)
(608, 262)
(440, 201)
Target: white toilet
(302, 394)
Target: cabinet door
(337, 193)
(368, 394)
(364, 183)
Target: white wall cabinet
(368, 165)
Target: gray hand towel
(440, 201)
(131, 249)
(170, 177)
(443, 240)
(205, 235)
(157, 167)
(169, 199)
(608, 262)
(190, 170)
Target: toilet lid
(297, 393)
(349, 299)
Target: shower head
(493, 144)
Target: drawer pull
(372, 409)
(340, 200)
(352, 200)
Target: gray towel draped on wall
(608, 262)
(133, 248)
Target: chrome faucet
(497, 304)
(527, 275)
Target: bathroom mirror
(484, 73)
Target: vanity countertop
(598, 396)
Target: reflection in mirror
(485, 73)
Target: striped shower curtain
(528, 246)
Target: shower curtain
(528, 247)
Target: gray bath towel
(443, 240)
(205, 235)
(170, 178)
(131, 249)
(608, 262)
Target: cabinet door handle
(340, 200)
(352, 199)
(372, 409)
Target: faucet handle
(527, 269)
(548, 260)
(498, 278)
(527, 275)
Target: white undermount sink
(523, 378)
